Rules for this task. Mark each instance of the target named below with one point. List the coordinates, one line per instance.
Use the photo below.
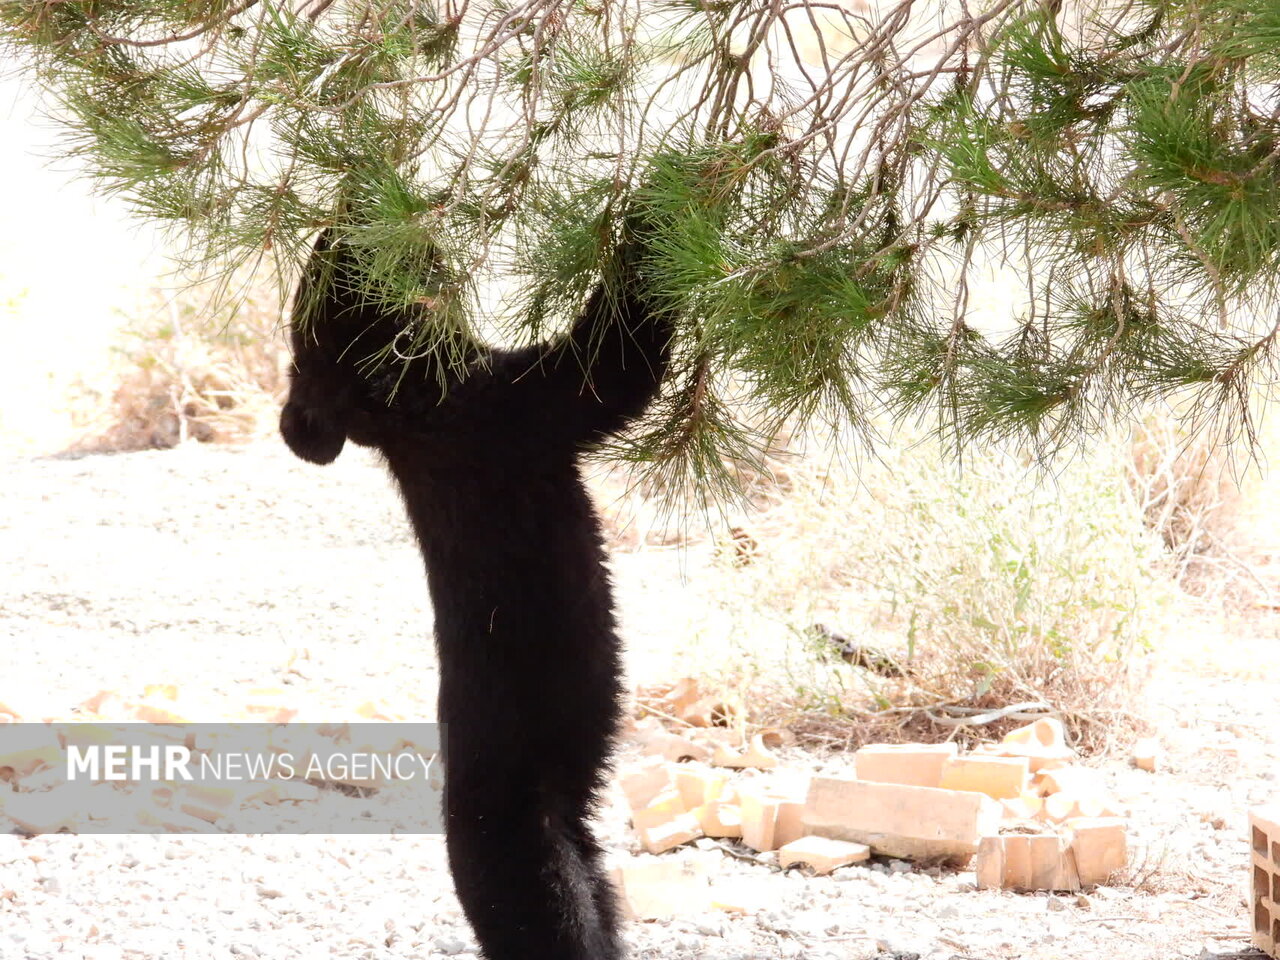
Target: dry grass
(188, 371)
(989, 584)
(1190, 493)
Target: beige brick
(699, 784)
(663, 808)
(998, 777)
(1147, 754)
(157, 816)
(659, 889)
(789, 824)
(29, 747)
(900, 821)
(756, 756)
(912, 764)
(1025, 806)
(270, 704)
(821, 853)
(1067, 805)
(683, 829)
(1043, 743)
(206, 802)
(97, 703)
(1022, 862)
(719, 819)
(744, 896)
(759, 819)
(49, 811)
(645, 780)
(377, 710)
(1099, 846)
(675, 748)
(1081, 781)
(287, 791)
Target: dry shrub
(1187, 487)
(989, 584)
(188, 371)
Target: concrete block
(915, 823)
(1100, 847)
(659, 889)
(912, 764)
(998, 777)
(821, 854)
(1264, 907)
(1022, 862)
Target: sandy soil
(221, 568)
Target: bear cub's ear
(312, 434)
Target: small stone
(1056, 905)
(449, 946)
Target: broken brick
(1043, 743)
(1081, 781)
(789, 822)
(998, 777)
(675, 748)
(682, 829)
(912, 764)
(698, 784)
(1099, 846)
(662, 809)
(719, 819)
(821, 854)
(901, 821)
(757, 755)
(658, 889)
(1022, 862)
(1147, 754)
(29, 747)
(759, 819)
(645, 780)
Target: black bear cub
(524, 625)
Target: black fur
(529, 655)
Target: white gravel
(216, 568)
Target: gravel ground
(216, 568)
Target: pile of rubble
(1027, 814)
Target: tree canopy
(823, 181)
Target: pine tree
(822, 182)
